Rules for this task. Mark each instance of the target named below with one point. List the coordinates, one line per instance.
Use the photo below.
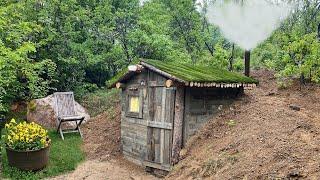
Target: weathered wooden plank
(178, 124)
(166, 150)
(157, 165)
(156, 133)
(163, 113)
(150, 132)
(160, 125)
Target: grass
(64, 157)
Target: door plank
(163, 113)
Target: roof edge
(152, 68)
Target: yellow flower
(13, 121)
(22, 134)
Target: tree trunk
(178, 124)
(247, 63)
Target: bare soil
(101, 137)
(267, 139)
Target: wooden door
(160, 125)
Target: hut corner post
(178, 124)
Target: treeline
(78, 45)
(56, 45)
(293, 51)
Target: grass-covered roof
(191, 73)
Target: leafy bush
(84, 89)
(100, 101)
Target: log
(178, 124)
(169, 83)
(119, 85)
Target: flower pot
(28, 160)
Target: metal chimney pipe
(247, 54)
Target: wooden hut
(164, 103)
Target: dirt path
(113, 169)
(102, 147)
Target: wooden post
(178, 124)
(247, 63)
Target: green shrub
(100, 101)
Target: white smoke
(250, 23)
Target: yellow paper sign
(134, 104)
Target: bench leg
(77, 128)
(61, 133)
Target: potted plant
(27, 145)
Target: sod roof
(190, 73)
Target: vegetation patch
(64, 157)
(100, 101)
(231, 122)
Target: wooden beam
(178, 124)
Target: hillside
(260, 137)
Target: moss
(120, 74)
(32, 106)
(191, 73)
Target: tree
(22, 75)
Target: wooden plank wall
(134, 131)
(201, 104)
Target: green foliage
(299, 57)
(100, 101)
(293, 51)
(21, 76)
(76, 45)
(59, 163)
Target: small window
(134, 103)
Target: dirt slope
(267, 140)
